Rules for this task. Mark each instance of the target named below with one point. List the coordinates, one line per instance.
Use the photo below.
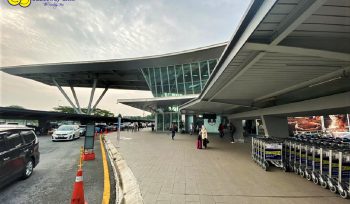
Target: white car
(66, 132)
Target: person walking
(204, 134)
(232, 132)
(152, 125)
(199, 141)
(191, 129)
(173, 131)
(221, 130)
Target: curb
(127, 188)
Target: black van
(19, 152)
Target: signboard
(209, 116)
(89, 137)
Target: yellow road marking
(106, 183)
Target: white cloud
(86, 30)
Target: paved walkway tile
(174, 171)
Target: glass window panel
(160, 122)
(165, 81)
(153, 82)
(204, 82)
(196, 78)
(174, 118)
(14, 141)
(158, 81)
(188, 78)
(179, 78)
(2, 142)
(204, 70)
(172, 78)
(212, 64)
(166, 121)
(145, 72)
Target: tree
(16, 106)
(64, 109)
(97, 111)
(148, 117)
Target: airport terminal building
(287, 58)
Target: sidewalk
(94, 177)
(176, 172)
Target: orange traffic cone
(78, 189)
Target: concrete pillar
(239, 129)
(275, 126)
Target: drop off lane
(52, 180)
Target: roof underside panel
(121, 74)
(299, 51)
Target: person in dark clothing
(232, 132)
(139, 125)
(221, 130)
(152, 125)
(173, 131)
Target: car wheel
(28, 171)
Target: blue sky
(85, 30)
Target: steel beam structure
(75, 98)
(92, 96)
(99, 99)
(65, 95)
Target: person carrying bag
(204, 136)
(199, 142)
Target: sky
(86, 30)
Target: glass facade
(176, 80)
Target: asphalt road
(52, 180)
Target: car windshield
(65, 128)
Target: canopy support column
(92, 96)
(65, 95)
(99, 99)
(75, 98)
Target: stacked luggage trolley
(267, 151)
(318, 158)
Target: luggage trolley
(306, 162)
(297, 157)
(320, 167)
(287, 155)
(260, 154)
(290, 161)
(302, 159)
(316, 164)
(343, 186)
(273, 152)
(333, 170)
(255, 149)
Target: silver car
(66, 132)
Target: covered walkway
(176, 172)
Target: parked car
(66, 132)
(19, 152)
(100, 127)
(82, 130)
(37, 130)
